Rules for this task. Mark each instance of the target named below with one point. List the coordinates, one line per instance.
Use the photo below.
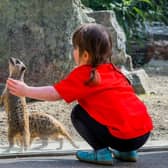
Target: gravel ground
(157, 104)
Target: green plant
(132, 14)
(124, 9)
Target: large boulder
(39, 33)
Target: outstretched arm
(19, 88)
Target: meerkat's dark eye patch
(17, 61)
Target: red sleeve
(72, 87)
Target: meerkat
(15, 107)
(45, 127)
(41, 125)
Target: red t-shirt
(112, 103)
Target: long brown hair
(96, 40)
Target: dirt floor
(157, 104)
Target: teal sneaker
(102, 156)
(126, 156)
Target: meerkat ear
(17, 61)
(11, 60)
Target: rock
(157, 50)
(154, 45)
(157, 30)
(39, 33)
(139, 80)
(108, 18)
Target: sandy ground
(157, 104)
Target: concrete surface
(152, 155)
(146, 160)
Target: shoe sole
(126, 159)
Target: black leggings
(98, 136)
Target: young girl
(109, 113)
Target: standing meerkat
(41, 125)
(15, 107)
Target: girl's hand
(16, 87)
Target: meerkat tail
(66, 135)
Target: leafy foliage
(132, 14)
